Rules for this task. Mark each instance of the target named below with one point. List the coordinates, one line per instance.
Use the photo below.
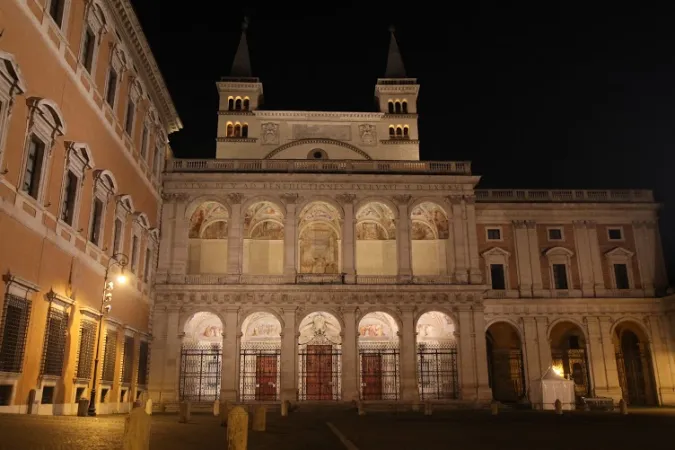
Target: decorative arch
(190, 313)
(83, 153)
(264, 198)
(381, 214)
(100, 14)
(383, 309)
(634, 321)
(506, 321)
(441, 309)
(442, 203)
(142, 218)
(559, 251)
(433, 216)
(50, 112)
(573, 321)
(376, 199)
(107, 178)
(250, 314)
(318, 309)
(319, 199)
(10, 70)
(318, 141)
(197, 202)
(127, 202)
(154, 234)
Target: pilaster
(596, 258)
(661, 359)
(472, 355)
(290, 235)
(235, 238)
(348, 242)
(583, 251)
(537, 348)
(179, 256)
(475, 274)
(605, 372)
(461, 272)
(230, 360)
(169, 389)
(645, 249)
(165, 248)
(535, 254)
(289, 353)
(409, 391)
(523, 259)
(350, 372)
(403, 236)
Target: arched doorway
(505, 362)
(263, 239)
(437, 372)
(379, 354)
(634, 364)
(207, 239)
(259, 358)
(569, 357)
(376, 240)
(201, 357)
(319, 239)
(319, 358)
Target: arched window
(399, 131)
(404, 106)
(246, 104)
(237, 104)
(398, 107)
(391, 107)
(230, 129)
(237, 129)
(244, 130)
(392, 130)
(230, 104)
(405, 131)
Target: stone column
(348, 241)
(289, 356)
(584, 258)
(483, 391)
(475, 274)
(230, 357)
(290, 236)
(523, 258)
(158, 352)
(403, 244)
(661, 360)
(408, 356)
(461, 272)
(169, 390)
(467, 355)
(644, 235)
(535, 254)
(603, 358)
(179, 256)
(235, 238)
(168, 222)
(596, 259)
(350, 355)
(537, 348)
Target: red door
(266, 377)
(371, 376)
(319, 372)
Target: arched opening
(229, 130)
(429, 234)
(320, 357)
(230, 103)
(200, 362)
(506, 374)
(319, 239)
(392, 131)
(259, 358)
(634, 364)
(237, 129)
(399, 131)
(244, 130)
(437, 368)
(376, 240)
(406, 131)
(379, 356)
(569, 358)
(263, 239)
(391, 107)
(207, 239)
(398, 107)
(404, 106)
(246, 103)
(237, 104)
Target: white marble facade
(317, 259)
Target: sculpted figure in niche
(270, 133)
(368, 134)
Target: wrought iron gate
(259, 378)
(200, 366)
(507, 377)
(379, 371)
(437, 376)
(575, 366)
(320, 372)
(635, 377)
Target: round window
(317, 153)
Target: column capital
(470, 199)
(530, 224)
(402, 199)
(345, 199)
(175, 197)
(518, 223)
(289, 198)
(235, 198)
(455, 199)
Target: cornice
(125, 16)
(399, 141)
(309, 115)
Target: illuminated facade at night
(316, 258)
(84, 118)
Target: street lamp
(118, 259)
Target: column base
(462, 276)
(476, 276)
(481, 394)
(288, 394)
(349, 278)
(667, 397)
(228, 395)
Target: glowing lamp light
(558, 370)
(121, 278)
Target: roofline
(126, 16)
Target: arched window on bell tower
(404, 106)
(229, 130)
(244, 130)
(392, 131)
(237, 130)
(398, 107)
(237, 104)
(230, 103)
(246, 103)
(391, 107)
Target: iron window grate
(128, 359)
(15, 318)
(109, 356)
(437, 373)
(200, 367)
(86, 353)
(55, 342)
(259, 376)
(143, 363)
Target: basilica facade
(318, 259)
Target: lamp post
(118, 259)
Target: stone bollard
(216, 408)
(82, 407)
(285, 406)
(558, 407)
(184, 412)
(362, 409)
(623, 407)
(428, 409)
(259, 419)
(136, 430)
(237, 429)
(494, 408)
(148, 407)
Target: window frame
(620, 255)
(497, 255)
(615, 228)
(95, 21)
(11, 85)
(562, 234)
(25, 290)
(105, 187)
(560, 255)
(124, 207)
(79, 160)
(62, 25)
(487, 233)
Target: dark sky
(541, 95)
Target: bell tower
(240, 94)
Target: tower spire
(241, 66)
(395, 68)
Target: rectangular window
(33, 172)
(560, 276)
(69, 198)
(621, 276)
(55, 342)
(88, 48)
(129, 123)
(157, 162)
(494, 234)
(112, 87)
(146, 265)
(128, 359)
(144, 142)
(96, 219)
(56, 10)
(134, 254)
(555, 234)
(497, 276)
(117, 240)
(15, 318)
(143, 364)
(86, 353)
(614, 234)
(110, 352)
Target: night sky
(545, 96)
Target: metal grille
(635, 376)
(86, 353)
(128, 359)
(15, 318)
(506, 374)
(437, 375)
(259, 375)
(379, 370)
(320, 372)
(200, 372)
(143, 364)
(109, 356)
(575, 366)
(55, 342)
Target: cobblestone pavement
(460, 430)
